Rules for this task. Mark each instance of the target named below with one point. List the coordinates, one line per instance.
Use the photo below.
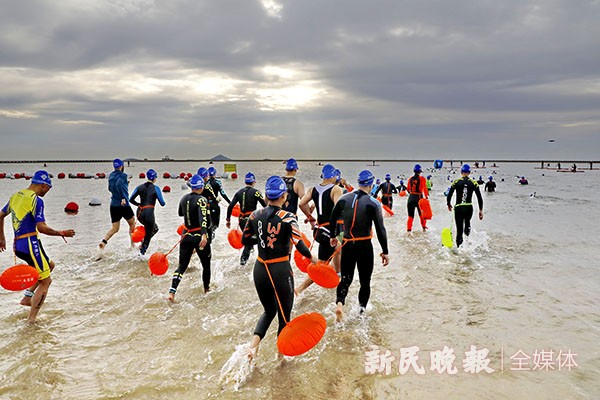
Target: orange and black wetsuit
(387, 189)
(148, 194)
(248, 199)
(417, 189)
(359, 212)
(193, 207)
(321, 197)
(275, 231)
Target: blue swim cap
(328, 171)
(117, 163)
(41, 177)
(428, 176)
(196, 182)
(203, 172)
(250, 178)
(465, 168)
(491, 178)
(275, 187)
(378, 181)
(338, 175)
(291, 165)
(417, 168)
(388, 177)
(365, 178)
(151, 174)
(401, 181)
(480, 177)
(212, 171)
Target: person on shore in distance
(429, 183)
(26, 209)
(216, 189)
(148, 194)
(194, 209)
(387, 189)
(359, 212)
(417, 189)
(274, 230)
(490, 185)
(463, 209)
(118, 186)
(248, 198)
(323, 196)
(295, 188)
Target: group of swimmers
(342, 228)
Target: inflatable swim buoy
(425, 208)
(402, 193)
(166, 189)
(387, 210)
(142, 175)
(301, 334)
(95, 202)
(158, 263)
(234, 237)
(72, 207)
(236, 211)
(447, 237)
(138, 234)
(180, 229)
(166, 175)
(19, 277)
(61, 175)
(233, 175)
(323, 275)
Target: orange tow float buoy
(301, 334)
(402, 193)
(425, 208)
(301, 261)
(235, 238)
(19, 277)
(180, 229)
(323, 275)
(158, 263)
(388, 210)
(138, 234)
(236, 211)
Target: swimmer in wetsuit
(323, 196)
(463, 209)
(417, 189)
(215, 187)
(274, 230)
(295, 188)
(148, 194)
(26, 209)
(248, 198)
(194, 209)
(359, 212)
(490, 186)
(387, 189)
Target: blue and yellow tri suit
(27, 210)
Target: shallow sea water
(524, 284)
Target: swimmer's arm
(2, 238)
(299, 188)
(42, 227)
(159, 196)
(133, 196)
(306, 208)
(377, 217)
(249, 236)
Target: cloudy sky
(465, 79)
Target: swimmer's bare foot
(339, 313)
(26, 301)
(171, 297)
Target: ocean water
(515, 308)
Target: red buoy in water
(166, 189)
(301, 334)
(167, 175)
(61, 175)
(138, 234)
(72, 207)
(233, 175)
(19, 277)
(158, 263)
(142, 175)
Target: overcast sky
(307, 79)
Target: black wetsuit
(211, 190)
(321, 197)
(248, 199)
(359, 212)
(291, 203)
(387, 189)
(274, 230)
(490, 186)
(148, 194)
(463, 209)
(193, 207)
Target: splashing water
(239, 367)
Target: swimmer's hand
(385, 259)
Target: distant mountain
(220, 157)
